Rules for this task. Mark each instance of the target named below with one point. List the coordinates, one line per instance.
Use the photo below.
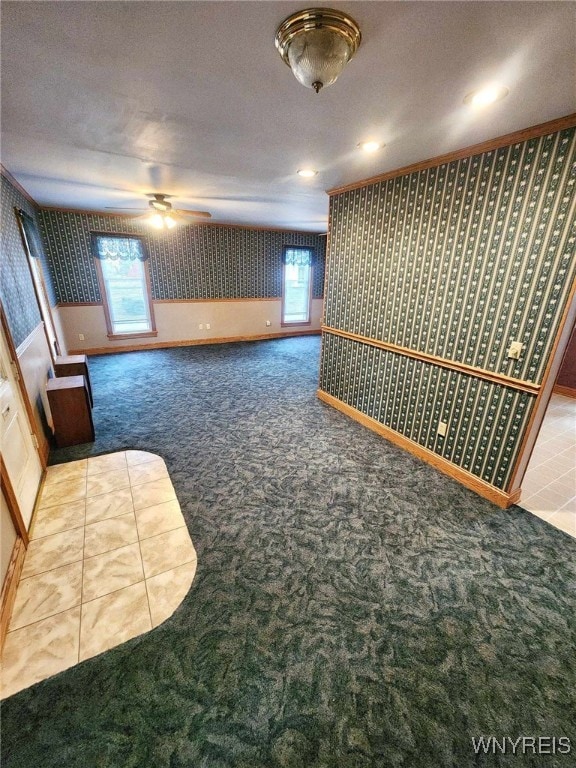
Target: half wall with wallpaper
(432, 273)
(227, 278)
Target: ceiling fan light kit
(162, 221)
(163, 212)
(160, 203)
(316, 44)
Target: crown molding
(8, 176)
(552, 126)
(253, 227)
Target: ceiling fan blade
(198, 214)
(119, 208)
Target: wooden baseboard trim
(8, 595)
(482, 488)
(190, 343)
(566, 391)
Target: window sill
(291, 325)
(144, 335)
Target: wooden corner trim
(470, 370)
(191, 342)
(9, 587)
(481, 487)
(552, 126)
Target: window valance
(298, 256)
(117, 247)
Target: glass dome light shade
(316, 44)
(318, 56)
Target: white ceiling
(103, 102)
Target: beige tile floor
(109, 558)
(549, 486)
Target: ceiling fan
(163, 213)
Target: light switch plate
(442, 427)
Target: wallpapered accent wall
(455, 261)
(16, 287)
(197, 261)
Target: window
(33, 248)
(297, 285)
(122, 267)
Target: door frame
(12, 577)
(38, 438)
(12, 502)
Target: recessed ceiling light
(487, 95)
(370, 146)
(307, 173)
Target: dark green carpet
(352, 608)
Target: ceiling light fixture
(162, 221)
(307, 173)
(370, 146)
(316, 44)
(487, 95)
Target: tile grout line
(83, 561)
(141, 558)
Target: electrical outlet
(201, 326)
(207, 326)
(268, 323)
(81, 336)
(442, 427)
(515, 350)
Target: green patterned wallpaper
(16, 287)
(455, 261)
(192, 262)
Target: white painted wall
(180, 321)
(36, 364)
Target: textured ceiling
(103, 102)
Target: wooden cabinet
(74, 365)
(69, 400)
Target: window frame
(39, 285)
(312, 251)
(102, 285)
